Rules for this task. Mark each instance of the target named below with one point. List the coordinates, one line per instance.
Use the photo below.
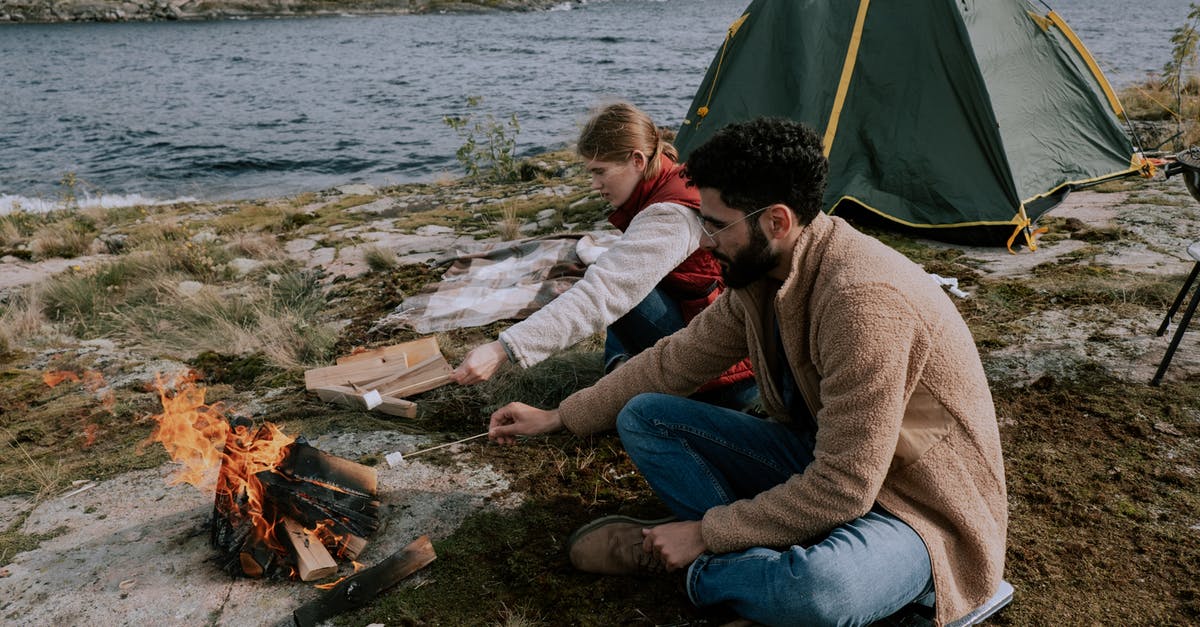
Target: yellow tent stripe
(847, 71)
(1090, 60)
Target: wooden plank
(417, 370)
(429, 374)
(313, 561)
(360, 588)
(349, 397)
(414, 351)
(353, 372)
(397, 407)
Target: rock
(189, 289)
(378, 206)
(297, 246)
(243, 266)
(204, 237)
(356, 189)
(430, 230)
(546, 214)
(529, 229)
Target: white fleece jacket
(658, 239)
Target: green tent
(966, 119)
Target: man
(879, 480)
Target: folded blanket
(505, 281)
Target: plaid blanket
(505, 281)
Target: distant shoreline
(64, 11)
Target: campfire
(280, 505)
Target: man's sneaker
(613, 546)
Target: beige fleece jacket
(904, 415)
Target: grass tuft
(508, 227)
(380, 259)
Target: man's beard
(749, 264)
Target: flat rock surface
(134, 550)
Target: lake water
(239, 109)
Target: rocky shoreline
(57, 11)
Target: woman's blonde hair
(616, 130)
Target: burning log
(263, 478)
(359, 588)
(310, 487)
(312, 560)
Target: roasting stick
(396, 458)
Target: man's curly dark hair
(764, 161)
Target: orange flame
(198, 436)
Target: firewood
(311, 503)
(415, 372)
(352, 546)
(360, 588)
(256, 558)
(414, 351)
(411, 367)
(313, 560)
(397, 407)
(308, 463)
(356, 371)
(349, 397)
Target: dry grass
(380, 259)
(1151, 100)
(10, 234)
(508, 227)
(48, 478)
(67, 240)
(22, 320)
(263, 246)
(276, 321)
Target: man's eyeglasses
(713, 234)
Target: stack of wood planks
(380, 379)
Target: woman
(647, 285)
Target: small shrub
(489, 145)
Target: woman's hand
(480, 364)
(520, 419)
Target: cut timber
(351, 546)
(308, 463)
(349, 397)
(397, 407)
(414, 351)
(313, 561)
(354, 372)
(358, 589)
(424, 376)
(395, 371)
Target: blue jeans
(696, 456)
(656, 317)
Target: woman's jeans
(657, 316)
(696, 456)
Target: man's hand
(480, 364)
(520, 419)
(677, 543)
